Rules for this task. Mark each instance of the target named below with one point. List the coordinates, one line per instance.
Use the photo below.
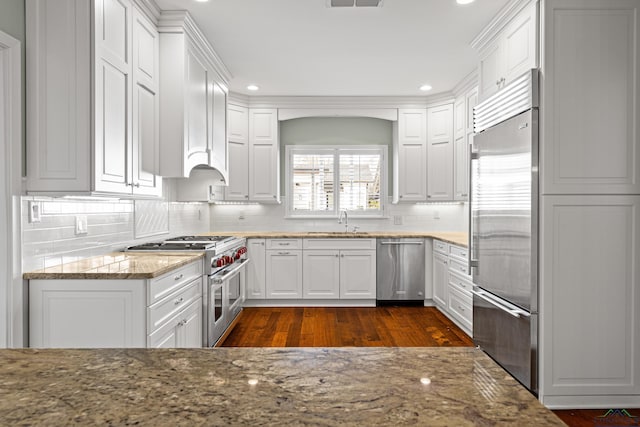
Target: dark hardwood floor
(344, 327)
(363, 327)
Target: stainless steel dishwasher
(400, 271)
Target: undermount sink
(337, 233)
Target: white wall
(450, 217)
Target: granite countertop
(251, 386)
(456, 237)
(117, 265)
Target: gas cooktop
(190, 243)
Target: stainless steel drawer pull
(178, 301)
(283, 253)
(178, 277)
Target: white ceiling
(301, 47)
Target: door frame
(11, 283)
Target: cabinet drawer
(461, 307)
(164, 285)
(458, 252)
(458, 266)
(166, 335)
(338, 244)
(441, 247)
(284, 243)
(163, 310)
(461, 282)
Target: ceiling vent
(354, 3)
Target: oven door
(231, 285)
(216, 312)
(236, 283)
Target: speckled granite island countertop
(117, 265)
(455, 237)
(273, 387)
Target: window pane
(360, 182)
(312, 182)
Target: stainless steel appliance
(225, 263)
(504, 228)
(400, 271)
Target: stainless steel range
(225, 263)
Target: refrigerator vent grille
(515, 98)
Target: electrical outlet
(241, 215)
(397, 220)
(81, 224)
(436, 215)
(35, 209)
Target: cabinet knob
(401, 197)
(274, 196)
(341, 255)
(137, 184)
(498, 82)
(178, 301)
(246, 196)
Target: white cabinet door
(218, 134)
(460, 150)
(519, 44)
(490, 70)
(189, 329)
(87, 313)
(440, 153)
(284, 274)
(256, 270)
(590, 287)
(145, 159)
(112, 89)
(591, 142)
(357, 274)
(412, 155)
(459, 117)
(238, 123)
(238, 185)
(263, 156)
(321, 274)
(440, 279)
(196, 85)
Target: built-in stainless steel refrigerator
(504, 228)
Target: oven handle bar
(218, 281)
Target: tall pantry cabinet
(92, 118)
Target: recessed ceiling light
(464, 1)
(253, 87)
(425, 88)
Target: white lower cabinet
(452, 285)
(284, 274)
(256, 270)
(183, 330)
(339, 274)
(440, 275)
(100, 313)
(321, 274)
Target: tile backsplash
(412, 217)
(111, 226)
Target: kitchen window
(323, 180)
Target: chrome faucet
(346, 220)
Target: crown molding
(149, 8)
(181, 22)
(339, 102)
(506, 14)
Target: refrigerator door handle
(510, 309)
(473, 262)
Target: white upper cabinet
(193, 117)
(460, 150)
(238, 185)
(590, 133)
(511, 52)
(91, 129)
(440, 153)
(411, 170)
(264, 178)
